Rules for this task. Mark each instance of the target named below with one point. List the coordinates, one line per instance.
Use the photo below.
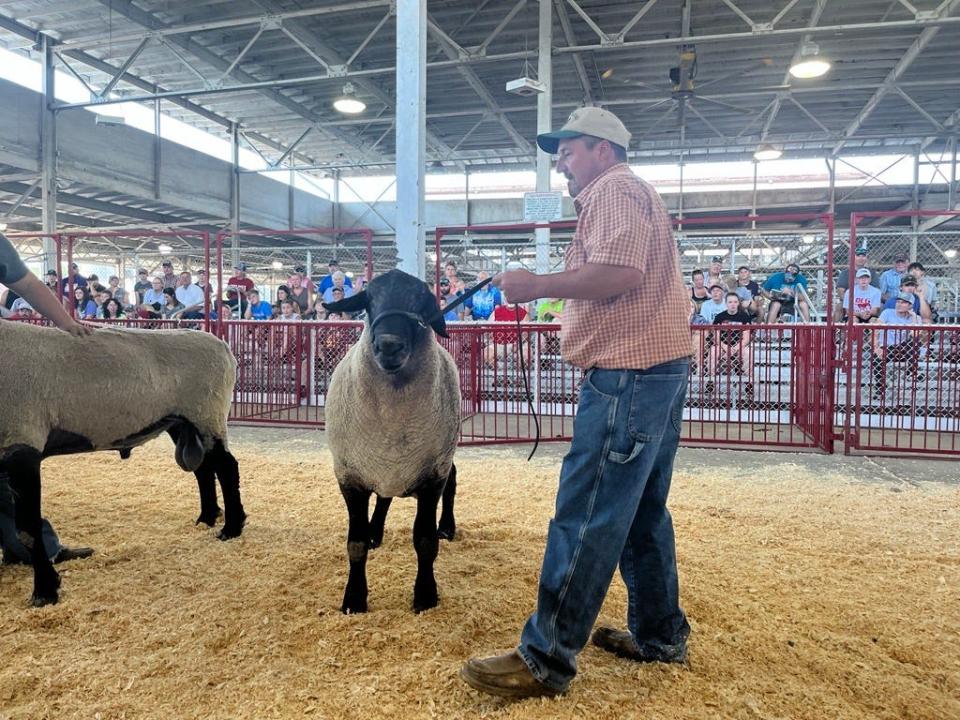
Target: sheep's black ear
(433, 315)
(3, 272)
(354, 303)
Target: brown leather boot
(504, 675)
(621, 644)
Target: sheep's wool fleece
(387, 437)
(111, 384)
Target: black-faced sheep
(114, 390)
(392, 419)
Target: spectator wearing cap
(257, 309)
(142, 284)
(786, 291)
(481, 304)
(749, 292)
(339, 280)
(861, 262)
(73, 278)
(326, 283)
(447, 295)
(926, 288)
(895, 345)
(170, 280)
(866, 304)
(22, 310)
(51, 281)
(716, 276)
(190, 296)
(715, 305)
(890, 279)
(117, 292)
(699, 293)
(237, 288)
(908, 286)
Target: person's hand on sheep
(77, 329)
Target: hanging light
(810, 64)
(164, 249)
(951, 253)
(348, 103)
(767, 152)
(276, 265)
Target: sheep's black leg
(358, 539)
(228, 473)
(24, 470)
(378, 520)
(448, 525)
(426, 544)
(207, 484)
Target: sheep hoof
(228, 533)
(376, 540)
(353, 605)
(40, 600)
(209, 519)
(447, 533)
(424, 599)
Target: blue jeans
(611, 507)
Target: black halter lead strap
(393, 313)
(468, 294)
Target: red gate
(903, 389)
(784, 399)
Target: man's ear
(354, 303)
(430, 309)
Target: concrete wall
(120, 159)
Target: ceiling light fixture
(164, 249)
(276, 265)
(348, 102)
(767, 152)
(810, 64)
(951, 253)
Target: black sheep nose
(390, 344)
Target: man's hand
(76, 329)
(519, 286)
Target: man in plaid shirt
(626, 323)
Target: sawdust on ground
(810, 596)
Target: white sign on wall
(542, 206)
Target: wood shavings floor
(810, 596)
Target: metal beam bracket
(338, 70)
(926, 15)
(271, 22)
(761, 28)
(611, 40)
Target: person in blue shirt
(890, 279)
(327, 282)
(920, 306)
(257, 309)
(480, 305)
(782, 289)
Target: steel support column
(411, 134)
(544, 123)
(48, 150)
(235, 194)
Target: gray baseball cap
(586, 121)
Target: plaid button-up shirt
(622, 221)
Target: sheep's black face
(400, 309)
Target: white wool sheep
(114, 390)
(392, 420)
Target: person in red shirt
(237, 288)
(504, 338)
